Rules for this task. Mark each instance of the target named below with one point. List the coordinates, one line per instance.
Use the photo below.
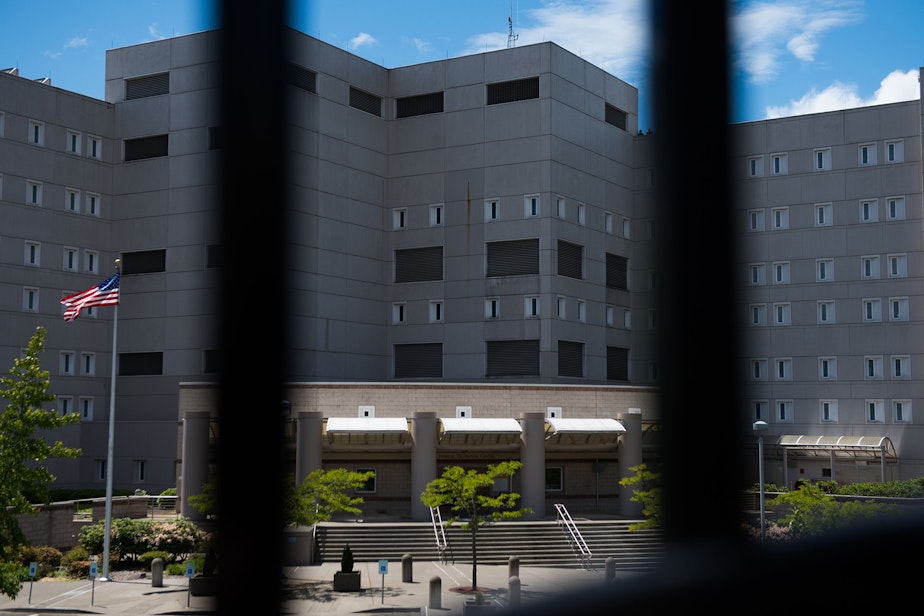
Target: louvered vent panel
(513, 358)
(513, 258)
(143, 87)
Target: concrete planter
(347, 581)
(472, 608)
(203, 586)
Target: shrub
(346, 559)
(77, 562)
(130, 537)
(167, 503)
(180, 537)
(47, 558)
(148, 557)
(175, 569)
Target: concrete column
(423, 460)
(532, 455)
(309, 437)
(630, 454)
(195, 460)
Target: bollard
(513, 592)
(610, 570)
(513, 566)
(407, 568)
(157, 572)
(436, 593)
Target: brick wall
(54, 524)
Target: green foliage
(175, 568)
(206, 502)
(648, 494)
(129, 537)
(24, 426)
(46, 557)
(164, 503)
(12, 576)
(912, 488)
(811, 511)
(76, 562)
(148, 557)
(468, 495)
(346, 559)
(322, 494)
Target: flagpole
(112, 390)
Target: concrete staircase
(536, 544)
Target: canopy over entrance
(481, 431)
(583, 432)
(856, 448)
(367, 431)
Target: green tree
(322, 494)
(467, 492)
(811, 511)
(24, 451)
(648, 494)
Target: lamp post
(759, 427)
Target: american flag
(105, 293)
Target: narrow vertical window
(492, 308)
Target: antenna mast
(511, 37)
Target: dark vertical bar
(698, 346)
(253, 297)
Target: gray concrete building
(471, 238)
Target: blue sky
(791, 56)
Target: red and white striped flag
(105, 293)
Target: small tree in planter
(346, 579)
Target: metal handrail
(441, 543)
(574, 535)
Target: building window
(781, 313)
(581, 311)
(554, 479)
(608, 222)
(781, 272)
(826, 311)
(866, 153)
(399, 313)
(70, 259)
(92, 204)
(872, 309)
(36, 132)
(898, 308)
(2, 119)
(71, 200)
(824, 214)
(652, 281)
(463, 412)
(779, 164)
(492, 308)
(869, 266)
(73, 142)
(581, 213)
(436, 215)
(780, 216)
(149, 85)
(33, 254)
(561, 307)
(141, 364)
(100, 466)
(617, 364)
(33, 192)
(874, 411)
(144, 262)
(420, 104)
(65, 405)
(758, 314)
(92, 258)
(615, 116)
(654, 374)
(869, 210)
(755, 220)
(824, 270)
(901, 411)
(759, 409)
(626, 318)
(872, 367)
(531, 205)
(492, 209)
(531, 306)
(30, 299)
(570, 359)
(301, 77)
(560, 207)
(436, 311)
(570, 260)
(507, 358)
(898, 266)
(901, 367)
(895, 151)
(896, 207)
(142, 148)
(140, 471)
(617, 272)
(95, 147)
(827, 368)
(86, 409)
(365, 101)
(88, 364)
(784, 411)
(610, 316)
(783, 370)
(755, 166)
(511, 91)
(66, 363)
(369, 486)
(827, 411)
(399, 218)
(758, 369)
(823, 159)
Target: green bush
(76, 562)
(148, 557)
(912, 488)
(130, 537)
(175, 569)
(47, 558)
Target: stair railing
(571, 532)
(441, 543)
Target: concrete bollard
(157, 572)
(407, 568)
(513, 592)
(610, 570)
(436, 593)
(513, 566)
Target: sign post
(93, 573)
(383, 569)
(33, 569)
(190, 572)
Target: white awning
(480, 431)
(583, 431)
(869, 447)
(367, 431)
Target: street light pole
(759, 427)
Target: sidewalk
(309, 590)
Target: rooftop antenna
(511, 37)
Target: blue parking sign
(383, 567)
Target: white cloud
(54, 55)
(612, 34)
(77, 41)
(153, 33)
(897, 86)
(421, 45)
(765, 32)
(362, 39)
